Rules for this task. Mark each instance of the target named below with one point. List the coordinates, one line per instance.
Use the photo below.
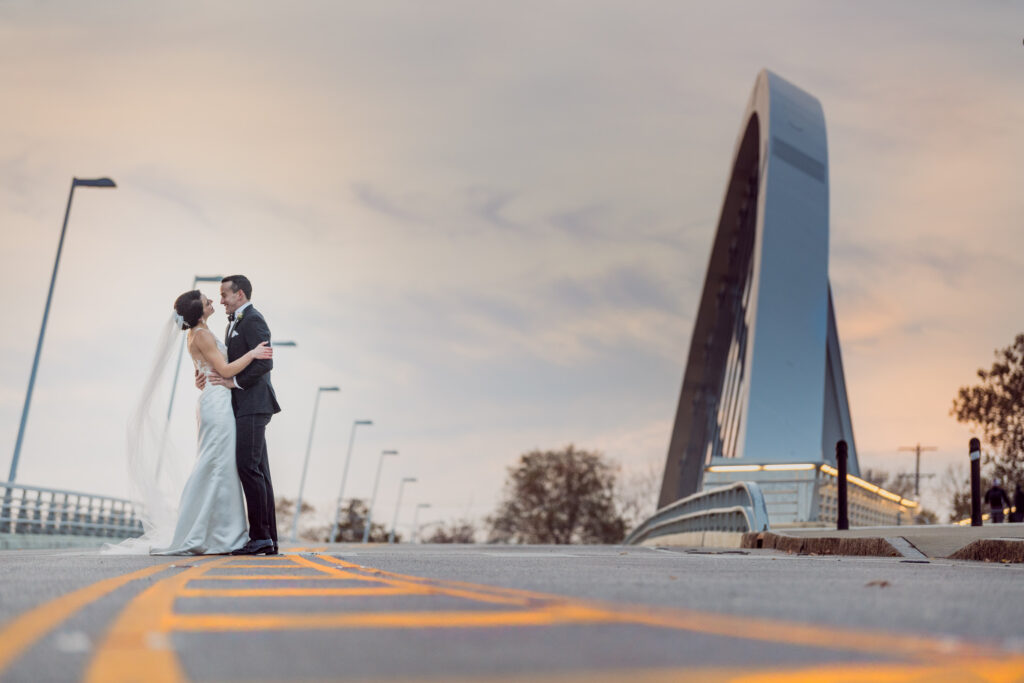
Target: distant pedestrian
(1018, 504)
(997, 499)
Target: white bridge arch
(764, 377)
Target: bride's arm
(207, 347)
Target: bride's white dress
(211, 515)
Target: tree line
(555, 496)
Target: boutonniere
(239, 316)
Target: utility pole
(917, 464)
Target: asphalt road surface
(492, 613)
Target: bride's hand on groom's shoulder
(262, 351)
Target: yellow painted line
(270, 577)
(298, 592)
(452, 589)
(994, 671)
(335, 573)
(746, 627)
(287, 622)
(23, 631)
(137, 647)
(957, 671)
(493, 592)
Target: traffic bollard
(843, 519)
(975, 453)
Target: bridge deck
(490, 613)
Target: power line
(916, 467)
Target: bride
(210, 517)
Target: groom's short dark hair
(240, 282)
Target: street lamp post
(344, 476)
(416, 522)
(305, 464)
(394, 520)
(75, 182)
(373, 498)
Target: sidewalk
(994, 542)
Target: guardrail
(44, 511)
(736, 508)
(807, 493)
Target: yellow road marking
(298, 592)
(137, 648)
(272, 577)
(746, 627)
(280, 622)
(443, 587)
(524, 597)
(23, 631)
(995, 671)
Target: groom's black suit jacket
(256, 396)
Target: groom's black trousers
(254, 471)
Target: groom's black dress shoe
(255, 548)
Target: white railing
(736, 508)
(43, 511)
(807, 493)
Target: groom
(254, 401)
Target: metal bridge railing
(739, 508)
(44, 511)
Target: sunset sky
(488, 223)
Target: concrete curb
(876, 547)
(992, 550)
(981, 550)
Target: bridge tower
(764, 378)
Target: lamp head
(330, 389)
(364, 422)
(389, 452)
(93, 182)
(411, 480)
(283, 343)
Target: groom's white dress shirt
(231, 328)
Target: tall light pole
(344, 476)
(305, 463)
(394, 520)
(75, 182)
(416, 522)
(373, 498)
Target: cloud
(490, 228)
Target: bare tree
(459, 531)
(637, 494)
(902, 484)
(955, 485)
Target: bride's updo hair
(190, 307)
